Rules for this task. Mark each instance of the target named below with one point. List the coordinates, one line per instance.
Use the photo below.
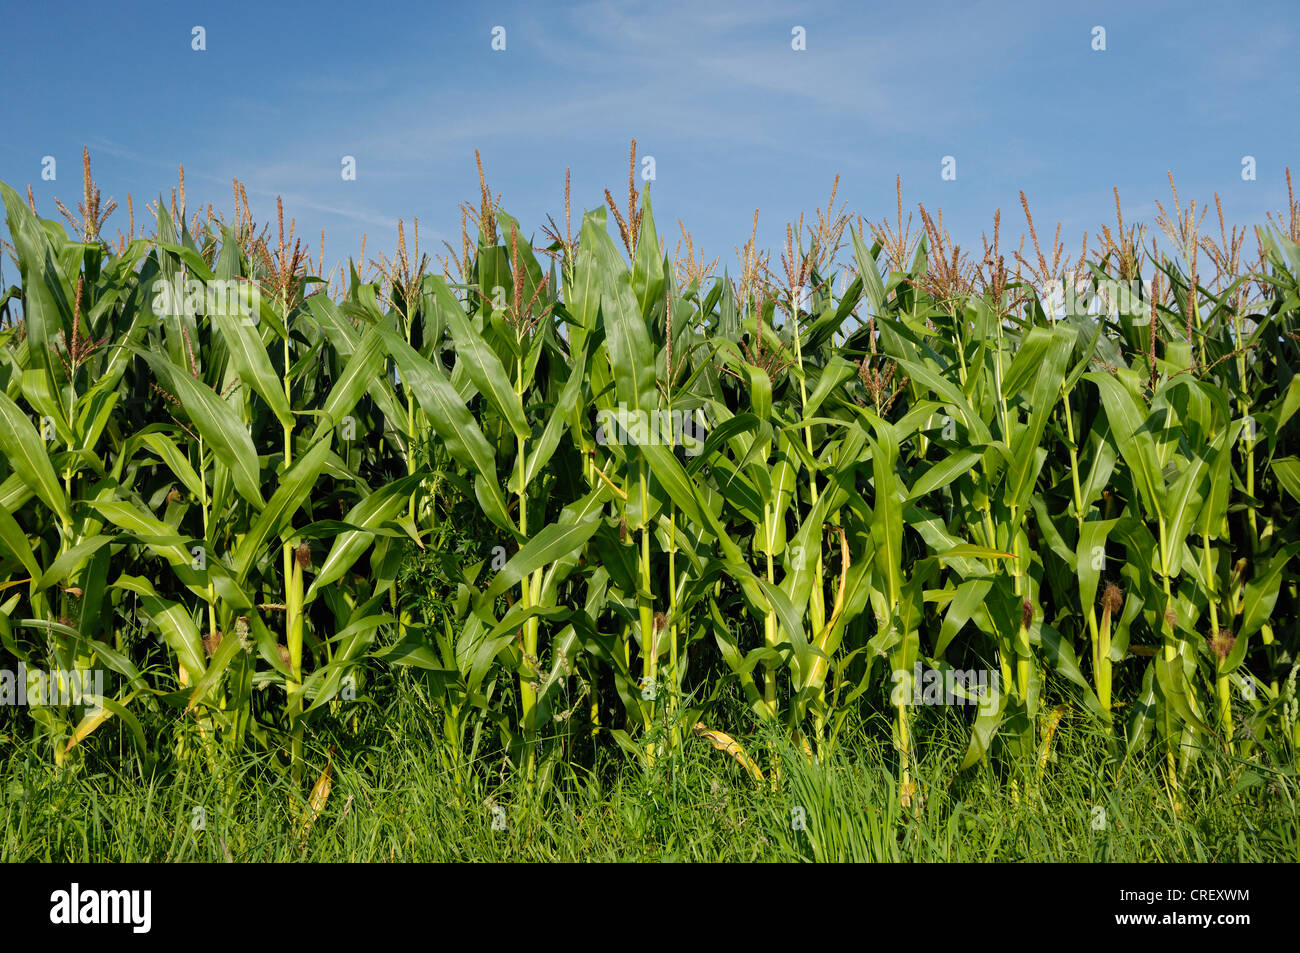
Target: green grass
(391, 799)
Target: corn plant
(937, 468)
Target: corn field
(826, 486)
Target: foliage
(245, 518)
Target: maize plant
(826, 492)
(185, 454)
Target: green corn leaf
(176, 461)
(548, 545)
(69, 562)
(945, 471)
(986, 723)
(358, 376)
(373, 511)
(1137, 446)
(1090, 558)
(557, 422)
(47, 296)
(253, 364)
(887, 516)
(1262, 592)
(217, 666)
(295, 487)
(173, 620)
(26, 453)
(15, 543)
(216, 423)
(453, 423)
(486, 371)
(627, 340)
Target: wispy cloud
(735, 118)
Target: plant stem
(528, 671)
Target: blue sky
(734, 118)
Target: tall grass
(391, 801)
